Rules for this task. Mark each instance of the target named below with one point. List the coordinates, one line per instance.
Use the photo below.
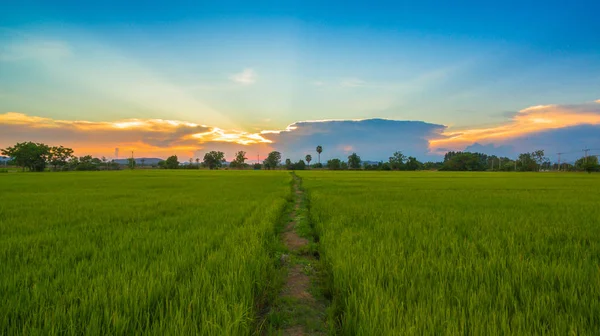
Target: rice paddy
(459, 253)
(118, 253)
(196, 252)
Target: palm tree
(308, 158)
(319, 150)
(198, 162)
(143, 160)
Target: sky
(186, 77)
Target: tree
(104, 161)
(334, 164)
(86, 162)
(214, 159)
(29, 155)
(272, 160)
(142, 161)
(432, 165)
(288, 164)
(198, 163)
(319, 151)
(527, 162)
(413, 164)
(308, 158)
(397, 161)
(354, 161)
(464, 161)
(539, 158)
(240, 158)
(59, 156)
(171, 162)
(588, 164)
(131, 163)
(300, 165)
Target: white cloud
(246, 77)
(352, 82)
(318, 83)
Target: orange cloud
(530, 120)
(147, 137)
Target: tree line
(38, 156)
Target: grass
(198, 252)
(138, 252)
(459, 253)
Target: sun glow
(530, 120)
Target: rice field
(137, 252)
(196, 252)
(459, 253)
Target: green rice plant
(137, 252)
(459, 253)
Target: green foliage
(413, 164)
(239, 161)
(378, 166)
(171, 163)
(397, 161)
(273, 160)
(588, 164)
(354, 161)
(300, 165)
(131, 163)
(459, 253)
(334, 164)
(214, 159)
(465, 161)
(308, 158)
(432, 165)
(83, 163)
(59, 157)
(30, 155)
(137, 252)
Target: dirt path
(300, 308)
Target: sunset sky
(185, 77)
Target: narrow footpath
(300, 308)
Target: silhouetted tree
(240, 158)
(214, 159)
(59, 156)
(29, 155)
(171, 162)
(354, 161)
(334, 164)
(272, 160)
(319, 151)
(308, 158)
(397, 161)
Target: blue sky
(250, 67)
